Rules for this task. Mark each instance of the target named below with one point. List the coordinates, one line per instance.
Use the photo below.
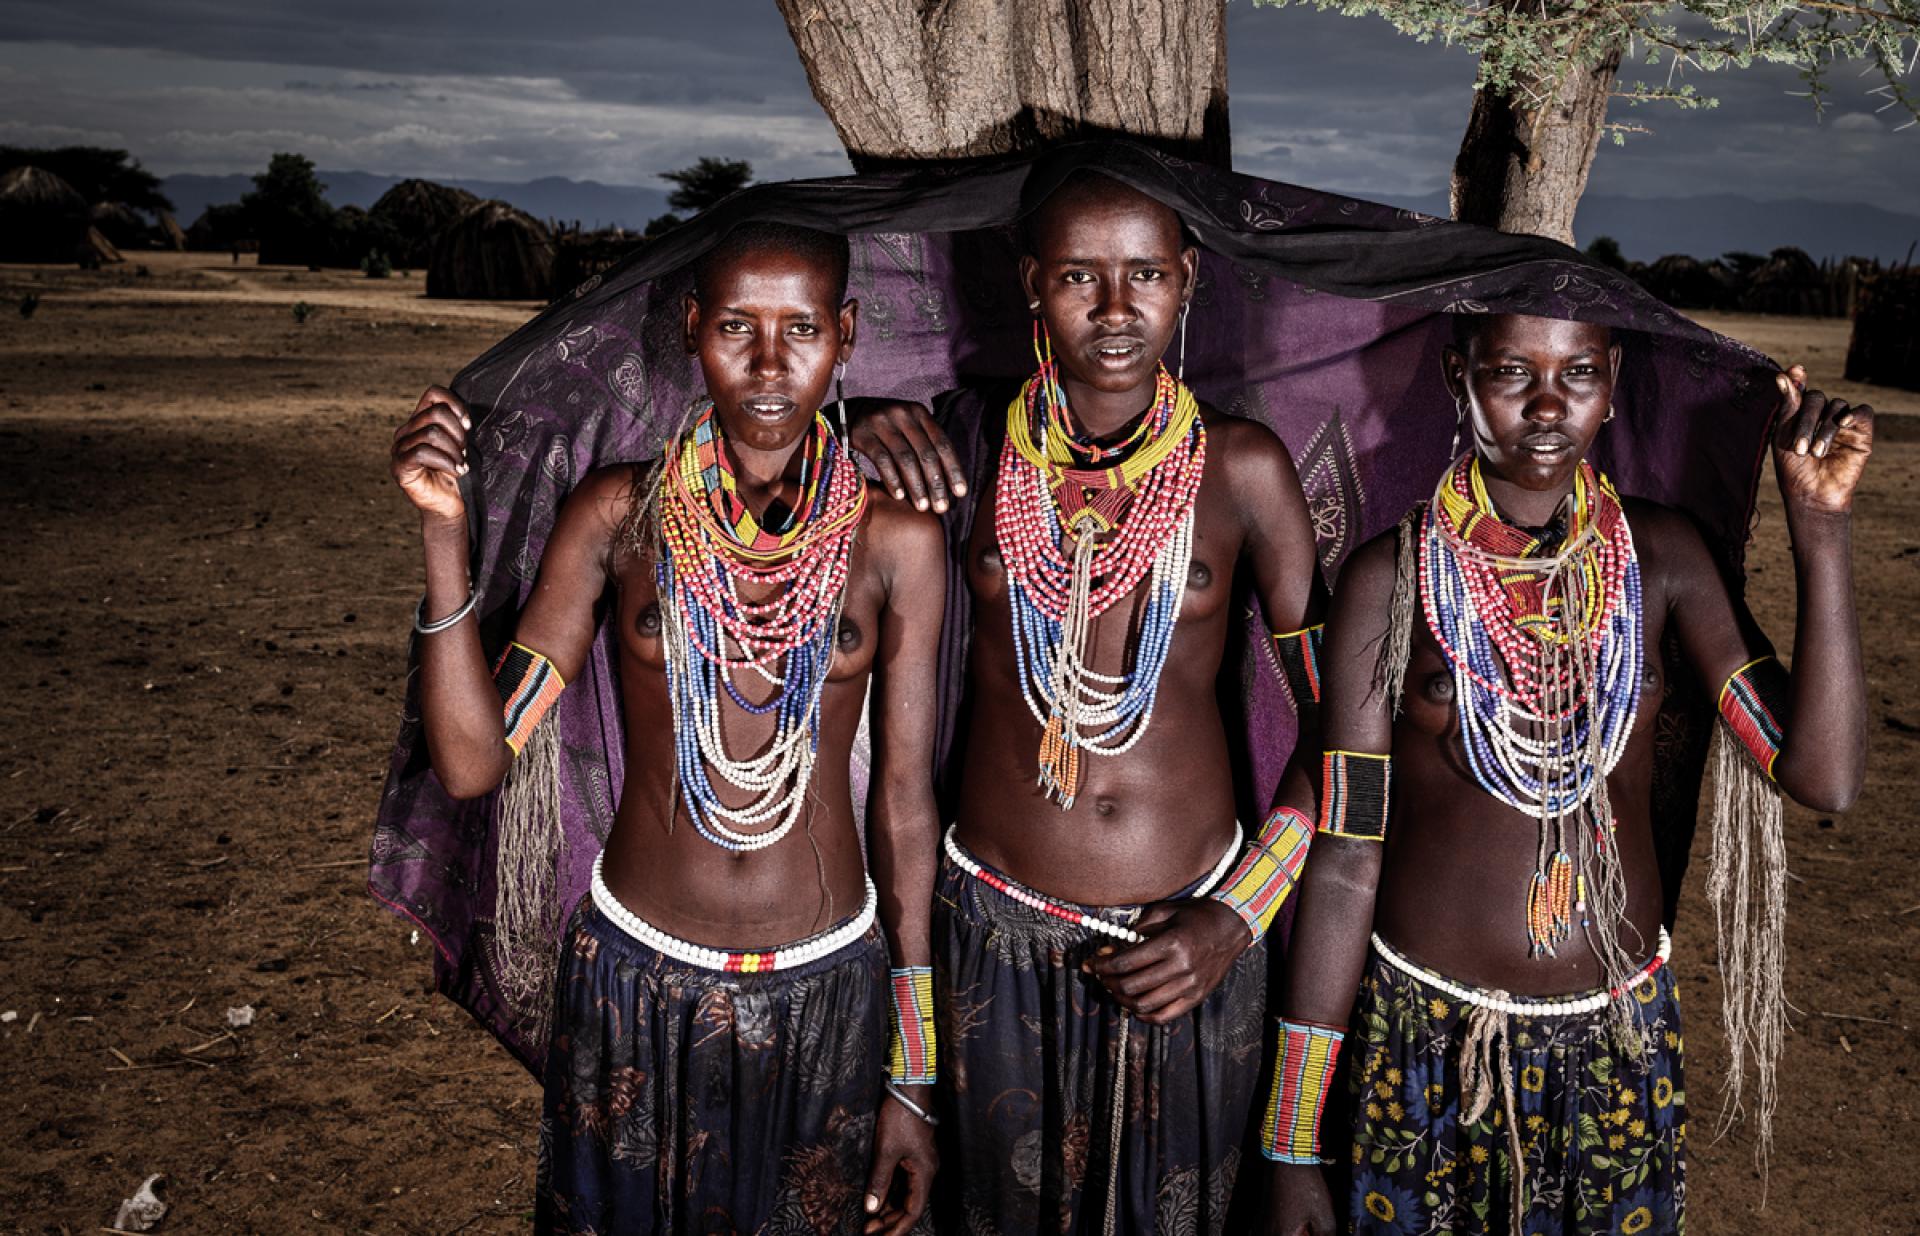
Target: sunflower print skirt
(686, 1100)
(1601, 1135)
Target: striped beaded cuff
(1299, 655)
(528, 686)
(1256, 889)
(1303, 1068)
(910, 1057)
(1754, 705)
(1354, 794)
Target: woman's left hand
(1820, 446)
(904, 1161)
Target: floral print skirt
(686, 1100)
(1601, 1133)
(1028, 1050)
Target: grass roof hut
(121, 224)
(1689, 283)
(418, 211)
(172, 236)
(1791, 283)
(94, 250)
(1885, 349)
(42, 219)
(493, 252)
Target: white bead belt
(784, 958)
(1046, 905)
(1592, 1002)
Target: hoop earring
(1043, 356)
(1609, 413)
(1181, 372)
(840, 401)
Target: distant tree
(706, 182)
(1548, 72)
(1606, 251)
(288, 211)
(95, 172)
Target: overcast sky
(619, 90)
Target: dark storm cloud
(619, 89)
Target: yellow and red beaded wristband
(1355, 791)
(1304, 1063)
(1754, 704)
(528, 686)
(1268, 871)
(1299, 655)
(910, 1057)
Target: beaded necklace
(1049, 491)
(1546, 652)
(711, 546)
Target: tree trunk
(1524, 161)
(907, 81)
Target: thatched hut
(1791, 283)
(121, 224)
(172, 236)
(1885, 349)
(1688, 283)
(95, 250)
(493, 252)
(418, 211)
(581, 255)
(42, 219)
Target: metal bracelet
(423, 627)
(900, 1096)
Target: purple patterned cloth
(1318, 315)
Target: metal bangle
(423, 627)
(899, 1096)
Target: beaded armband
(1303, 1069)
(910, 1058)
(1354, 794)
(528, 686)
(1754, 704)
(1299, 656)
(1256, 889)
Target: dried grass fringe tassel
(528, 843)
(1396, 648)
(1747, 884)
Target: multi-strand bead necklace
(1546, 650)
(1139, 496)
(714, 551)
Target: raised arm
(904, 833)
(1328, 949)
(1808, 730)
(465, 709)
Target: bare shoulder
(595, 512)
(1367, 576)
(906, 541)
(1667, 541)
(1250, 456)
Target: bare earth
(209, 592)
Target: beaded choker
(1546, 654)
(713, 551)
(1050, 492)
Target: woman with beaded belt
(1515, 1054)
(701, 1076)
(1100, 918)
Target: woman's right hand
(430, 455)
(1298, 1202)
(912, 454)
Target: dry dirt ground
(208, 597)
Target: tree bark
(908, 81)
(1524, 161)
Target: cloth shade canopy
(1321, 316)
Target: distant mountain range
(593, 204)
(1646, 228)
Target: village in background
(94, 207)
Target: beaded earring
(1181, 371)
(840, 401)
